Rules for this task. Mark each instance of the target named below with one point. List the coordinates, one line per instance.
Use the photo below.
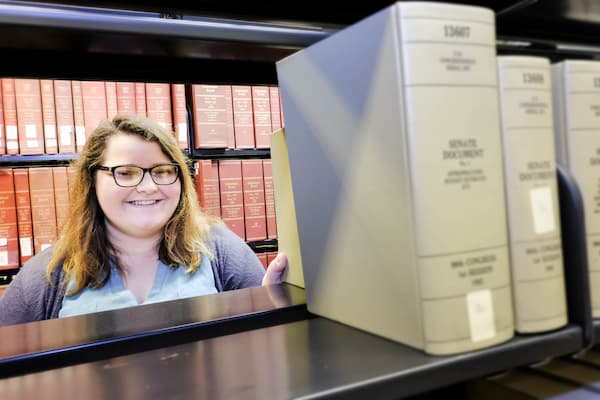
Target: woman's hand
(275, 270)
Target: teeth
(142, 202)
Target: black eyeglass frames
(132, 175)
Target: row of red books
(44, 116)
(34, 203)
(241, 193)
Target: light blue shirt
(168, 284)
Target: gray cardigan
(31, 297)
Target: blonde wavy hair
(84, 250)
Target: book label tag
(542, 210)
(481, 315)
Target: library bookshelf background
(231, 43)
(224, 129)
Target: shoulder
(30, 294)
(34, 270)
(234, 261)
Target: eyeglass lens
(130, 175)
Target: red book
(9, 244)
(111, 99)
(24, 224)
(140, 99)
(29, 116)
(126, 98)
(43, 208)
(275, 108)
(229, 130)
(243, 119)
(270, 199)
(61, 196)
(2, 134)
(65, 124)
(232, 195)
(254, 200)
(210, 116)
(263, 259)
(49, 116)
(93, 94)
(261, 108)
(9, 107)
(158, 104)
(78, 117)
(207, 186)
(180, 114)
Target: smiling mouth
(143, 202)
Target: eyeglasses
(132, 175)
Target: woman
(135, 234)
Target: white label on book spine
(481, 315)
(11, 132)
(542, 210)
(4, 257)
(30, 131)
(32, 143)
(3, 241)
(25, 246)
(49, 131)
(80, 135)
(44, 246)
(65, 135)
(182, 130)
(12, 145)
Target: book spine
(24, 223)
(261, 108)
(43, 208)
(243, 119)
(63, 100)
(9, 244)
(270, 199)
(112, 107)
(9, 103)
(61, 197)
(207, 186)
(275, 104)
(29, 116)
(524, 85)
(140, 99)
(78, 117)
(229, 128)
(209, 114)
(576, 98)
(49, 116)
(253, 186)
(2, 131)
(232, 195)
(126, 98)
(465, 278)
(158, 104)
(93, 95)
(180, 120)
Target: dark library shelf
(201, 154)
(264, 246)
(20, 160)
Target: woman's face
(139, 211)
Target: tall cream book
(525, 88)
(285, 210)
(393, 133)
(576, 98)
